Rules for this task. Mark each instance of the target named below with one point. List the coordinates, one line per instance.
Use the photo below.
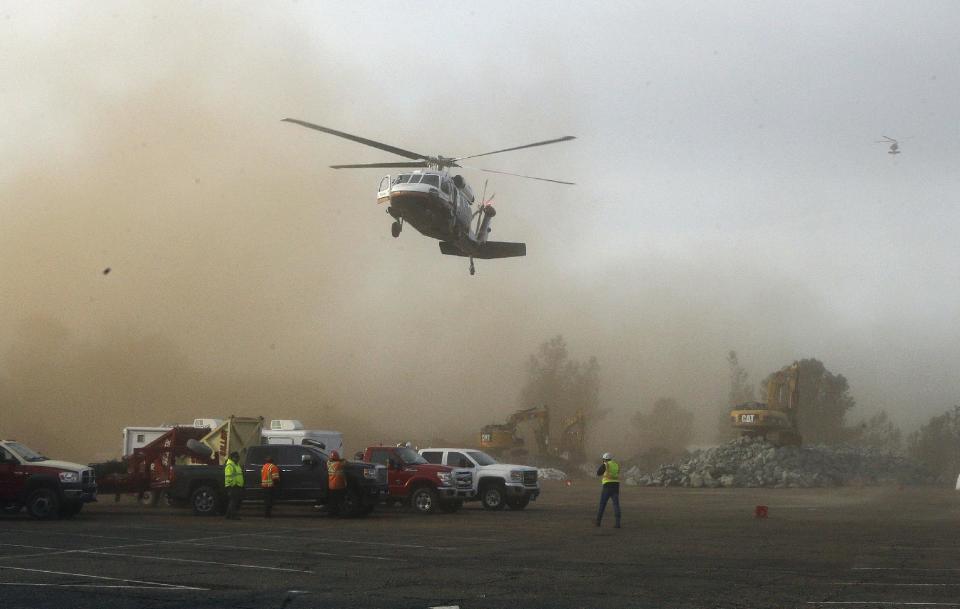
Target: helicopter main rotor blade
(367, 165)
(544, 143)
(360, 140)
(519, 175)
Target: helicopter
(437, 204)
(894, 144)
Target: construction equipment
(573, 431)
(502, 439)
(775, 420)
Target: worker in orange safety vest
(336, 483)
(269, 480)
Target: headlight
(370, 472)
(69, 477)
(445, 477)
(516, 475)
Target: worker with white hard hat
(609, 471)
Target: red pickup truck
(422, 485)
(47, 488)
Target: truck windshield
(26, 453)
(481, 457)
(410, 456)
(316, 450)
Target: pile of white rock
(551, 473)
(747, 462)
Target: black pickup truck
(303, 479)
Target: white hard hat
(607, 456)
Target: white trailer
(290, 431)
(138, 437)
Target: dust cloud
(248, 278)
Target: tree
(740, 392)
(667, 427)
(937, 444)
(878, 432)
(566, 386)
(824, 401)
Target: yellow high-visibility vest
(232, 474)
(611, 472)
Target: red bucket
(760, 511)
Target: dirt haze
(247, 277)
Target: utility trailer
(145, 472)
(149, 471)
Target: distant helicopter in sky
(894, 144)
(437, 204)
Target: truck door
(294, 473)
(458, 459)
(314, 473)
(396, 476)
(10, 486)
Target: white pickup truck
(496, 484)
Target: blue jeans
(610, 491)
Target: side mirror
(394, 464)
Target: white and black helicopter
(437, 204)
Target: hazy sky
(729, 196)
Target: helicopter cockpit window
(445, 187)
(402, 178)
(430, 178)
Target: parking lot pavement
(678, 548)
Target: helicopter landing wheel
(473, 269)
(395, 229)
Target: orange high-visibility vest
(269, 474)
(336, 478)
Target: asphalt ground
(678, 548)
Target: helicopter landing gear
(473, 269)
(395, 228)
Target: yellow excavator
(573, 431)
(502, 439)
(775, 420)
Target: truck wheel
(424, 500)
(492, 497)
(151, 498)
(519, 503)
(205, 501)
(351, 506)
(451, 506)
(44, 504)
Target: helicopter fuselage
(439, 206)
(431, 202)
